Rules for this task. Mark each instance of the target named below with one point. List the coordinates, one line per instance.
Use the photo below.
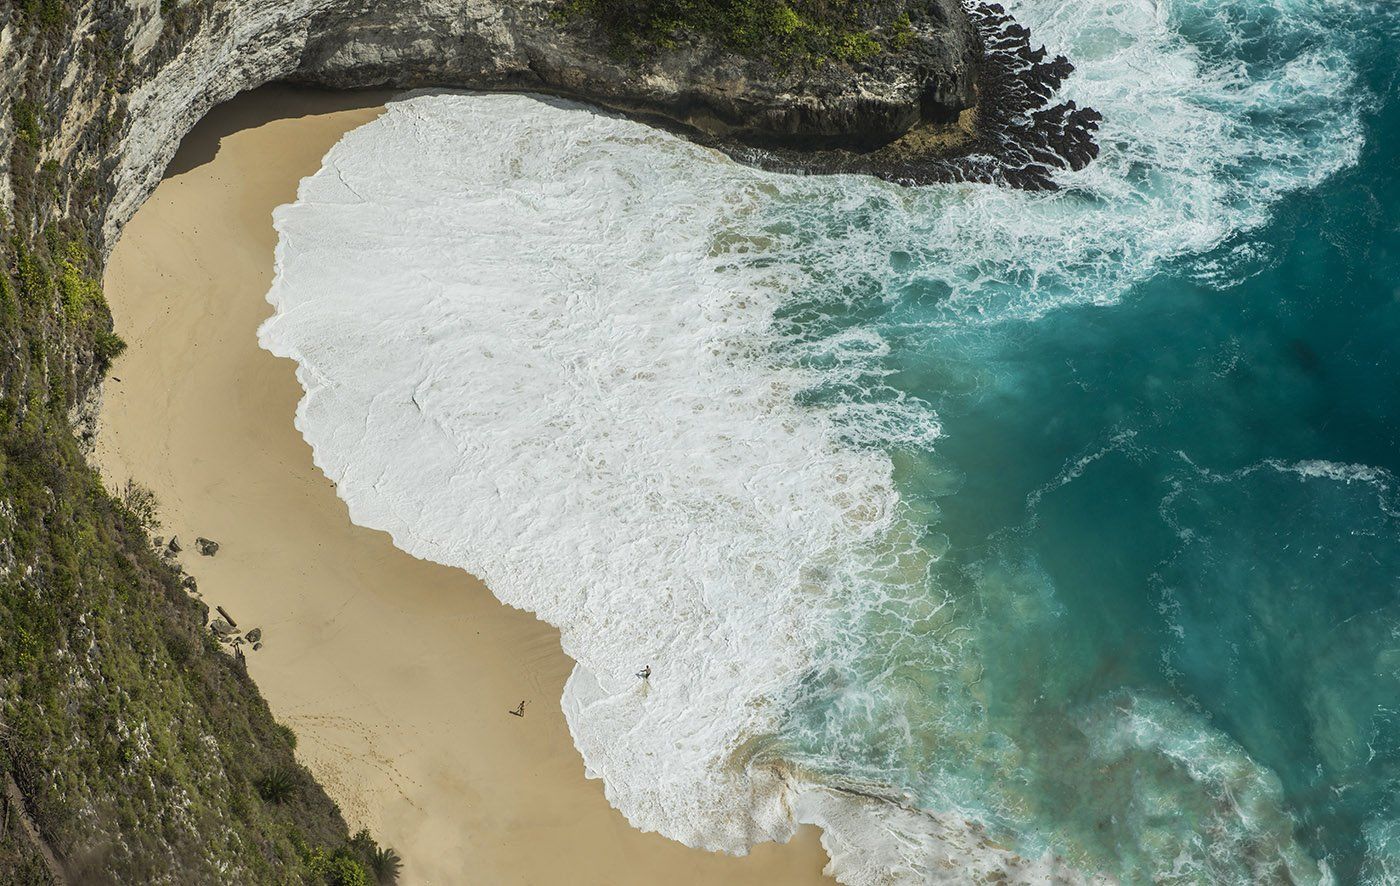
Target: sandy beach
(396, 674)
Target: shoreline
(396, 674)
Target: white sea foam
(538, 343)
(525, 355)
(1330, 470)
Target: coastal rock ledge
(965, 98)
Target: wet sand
(397, 675)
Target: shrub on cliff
(782, 31)
(383, 861)
(277, 784)
(337, 869)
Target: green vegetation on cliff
(132, 750)
(783, 31)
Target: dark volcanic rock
(1015, 135)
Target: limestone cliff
(527, 45)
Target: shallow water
(1071, 515)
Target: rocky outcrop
(529, 45)
(915, 115)
(907, 115)
(1014, 134)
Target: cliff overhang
(961, 95)
(965, 98)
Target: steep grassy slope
(131, 749)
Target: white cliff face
(249, 42)
(253, 42)
(8, 87)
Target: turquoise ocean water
(1160, 630)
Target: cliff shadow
(263, 105)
